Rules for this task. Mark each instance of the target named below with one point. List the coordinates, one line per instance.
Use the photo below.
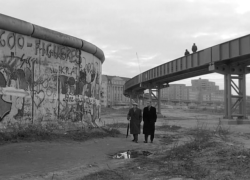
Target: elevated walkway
(230, 59)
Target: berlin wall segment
(41, 81)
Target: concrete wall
(43, 81)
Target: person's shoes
(151, 141)
(136, 141)
(145, 141)
(133, 140)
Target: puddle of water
(131, 154)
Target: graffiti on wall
(41, 81)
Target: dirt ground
(63, 160)
(73, 160)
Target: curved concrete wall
(56, 37)
(25, 28)
(46, 76)
(88, 47)
(15, 25)
(99, 53)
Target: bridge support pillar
(235, 104)
(234, 89)
(159, 99)
(143, 99)
(130, 101)
(150, 93)
(138, 101)
(227, 96)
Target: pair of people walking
(149, 118)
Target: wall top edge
(25, 28)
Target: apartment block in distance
(112, 91)
(175, 92)
(201, 90)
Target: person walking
(135, 118)
(149, 119)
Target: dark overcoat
(135, 117)
(149, 119)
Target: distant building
(201, 90)
(205, 96)
(204, 84)
(174, 92)
(217, 96)
(112, 91)
(192, 94)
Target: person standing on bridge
(135, 118)
(186, 52)
(194, 48)
(149, 119)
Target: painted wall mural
(41, 81)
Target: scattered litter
(92, 165)
(124, 155)
(230, 144)
(131, 154)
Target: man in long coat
(135, 118)
(149, 119)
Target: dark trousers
(151, 137)
(149, 129)
(135, 137)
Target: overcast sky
(157, 30)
